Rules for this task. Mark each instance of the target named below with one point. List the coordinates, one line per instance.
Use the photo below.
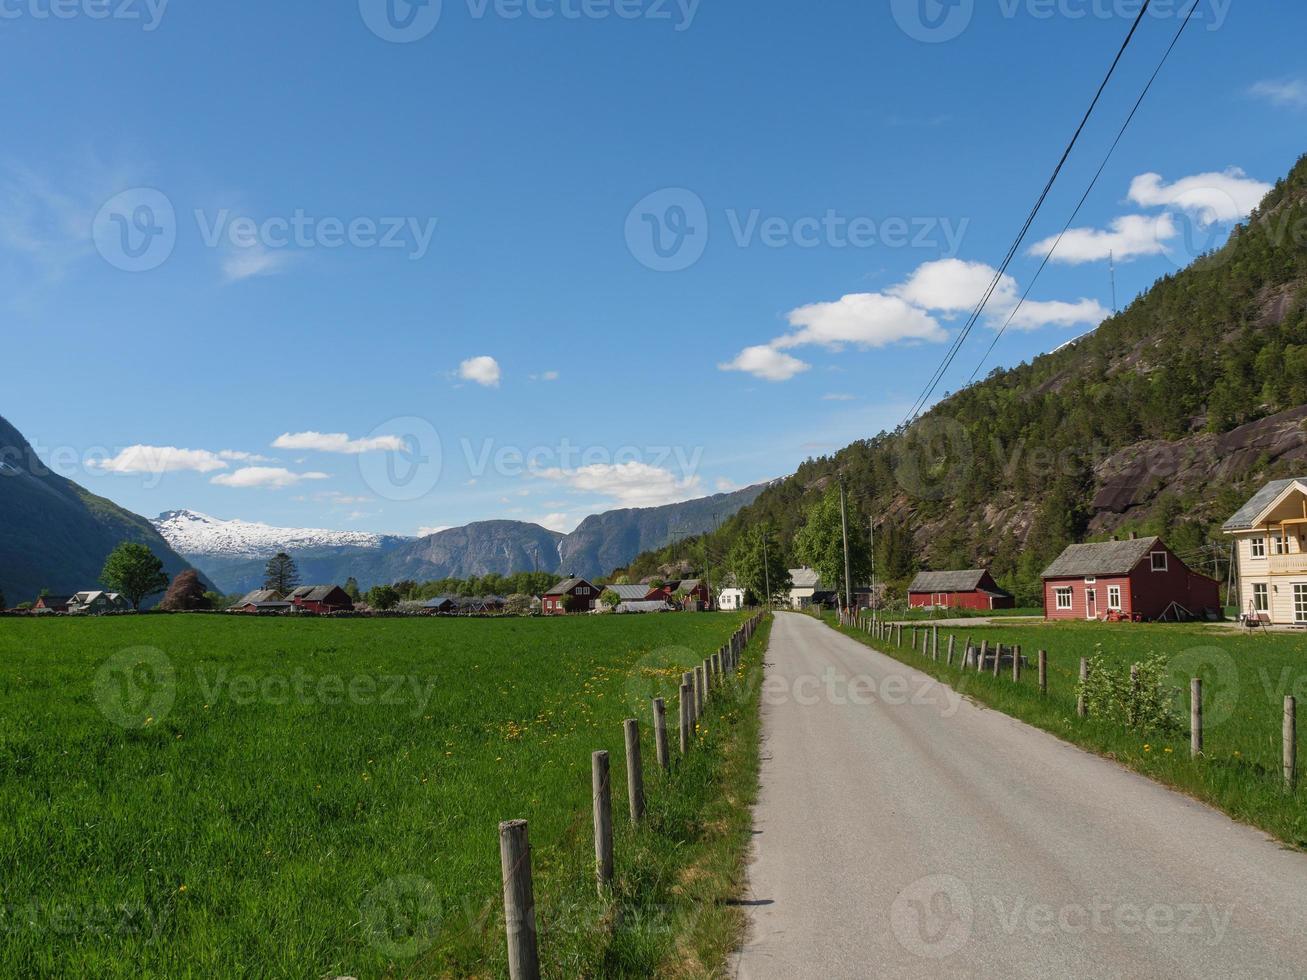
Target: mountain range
(233, 553)
(55, 534)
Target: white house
(1270, 534)
(804, 583)
(92, 603)
(730, 598)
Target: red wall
(954, 600)
(1144, 592)
(1078, 609)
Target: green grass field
(1245, 682)
(240, 797)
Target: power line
(1092, 184)
(1030, 220)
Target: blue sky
(329, 264)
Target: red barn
(321, 599)
(568, 596)
(1137, 579)
(971, 589)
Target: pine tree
(281, 574)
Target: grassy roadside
(1245, 681)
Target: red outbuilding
(1139, 579)
(569, 596)
(321, 599)
(971, 589)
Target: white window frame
(1114, 604)
(1257, 547)
(1091, 579)
(1091, 603)
(1152, 558)
(1281, 541)
(1299, 603)
(1064, 592)
(1261, 597)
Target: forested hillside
(1163, 420)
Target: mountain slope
(55, 534)
(1163, 419)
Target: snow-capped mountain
(193, 533)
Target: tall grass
(1245, 680)
(320, 798)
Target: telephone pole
(766, 567)
(871, 527)
(844, 527)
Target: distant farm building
(97, 603)
(1270, 533)
(731, 598)
(971, 589)
(1139, 579)
(53, 603)
(804, 584)
(321, 599)
(569, 596)
(262, 601)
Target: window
(1300, 603)
(1159, 561)
(582, 590)
(1114, 597)
(1064, 598)
(1261, 597)
(1090, 579)
(1280, 544)
(1258, 547)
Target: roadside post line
(603, 820)
(1082, 709)
(1195, 717)
(634, 770)
(519, 900)
(1043, 672)
(660, 733)
(686, 717)
(1290, 742)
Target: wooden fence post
(1043, 672)
(934, 643)
(700, 690)
(686, 717)
(1195, 717)
(984, 652)
(603, 814)
(1132, 715)
(634, 770)
(1082, 709)
(1016, 664)
(951, 639)
(519, 900)
(1290, 742)
(660, 733)
(998, 657)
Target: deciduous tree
(134, 571)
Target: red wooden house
(569, 596)
(321, 599)
(1139, 579)
(697, 596)
(971, 589)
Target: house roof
(566, 585)
(313, 593)
(643, 606)
(630, 593)
(804, 578)
(1102, 558)
(690, 584)
(257, 596)
(962, 581)
(54, 600)
(441, 600)
(1245, 517)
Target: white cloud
(1053, 313)
(426, 531)
(271, 477)
(248, 263)
(766, 362)
(161, 459)
(336, 442)
(1291, 93)
(631, 484)
(1131, 236)
(565, 523)
(545, 376)
(1226, 196)
(838, 397)
(238, 456)
(953, 286)
(725, 485)
(482, 370)
(865, 319)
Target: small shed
(972, 588)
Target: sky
(368, 265)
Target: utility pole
(766, 567)
(844, 527)
(1111, 259)
(871, 526)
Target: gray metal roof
(259, 595)
(630, 593)
(964, 581)
(1103, 558)
(567, 585)
(804, 578)
(1245, 516)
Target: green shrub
(1143, 703)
